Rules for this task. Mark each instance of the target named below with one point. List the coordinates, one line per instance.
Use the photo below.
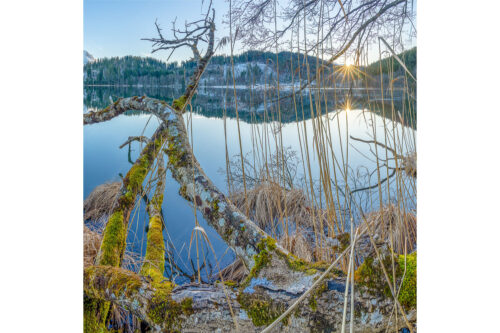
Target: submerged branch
(378, 143)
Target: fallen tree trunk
(204, 308)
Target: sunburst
(350, 72)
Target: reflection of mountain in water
(258, 104)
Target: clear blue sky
(115, 27)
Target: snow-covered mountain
(87, 57)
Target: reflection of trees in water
(258, 105)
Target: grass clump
(91, 243)
(99, 202)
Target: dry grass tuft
(404, 228)
(410, 164)
(91, 243)
(267, 202)
(297, 244)
(100, 201)
(235, 271)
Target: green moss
(176, 157)
(166, 312)
(371, 276)
(126, 200)
(116, 281)
(183, 191)
(261, 309)
(94, 315)
(187, 306)
(155, 251)
(113, 242)
(213, 214)
(268, 245)
(179, 103)
(408, 293)
(231, 283)
(215, 207)
(227, 233)
(162, 309)
(137, 173)
(112, 280)
(315, 294)
(265, 247)
(157, 201)
(296, 263)
(300, 265)
(312, 303)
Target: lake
(104, 161)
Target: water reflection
(257, 104)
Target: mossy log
(204, 308)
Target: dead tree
(276, 280)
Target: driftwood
(276, 279)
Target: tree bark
(207, 309)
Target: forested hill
(129, 70)
(251, 67)
(409, 57)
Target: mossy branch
(154, 261)
(154, 106)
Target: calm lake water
(104, 161)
